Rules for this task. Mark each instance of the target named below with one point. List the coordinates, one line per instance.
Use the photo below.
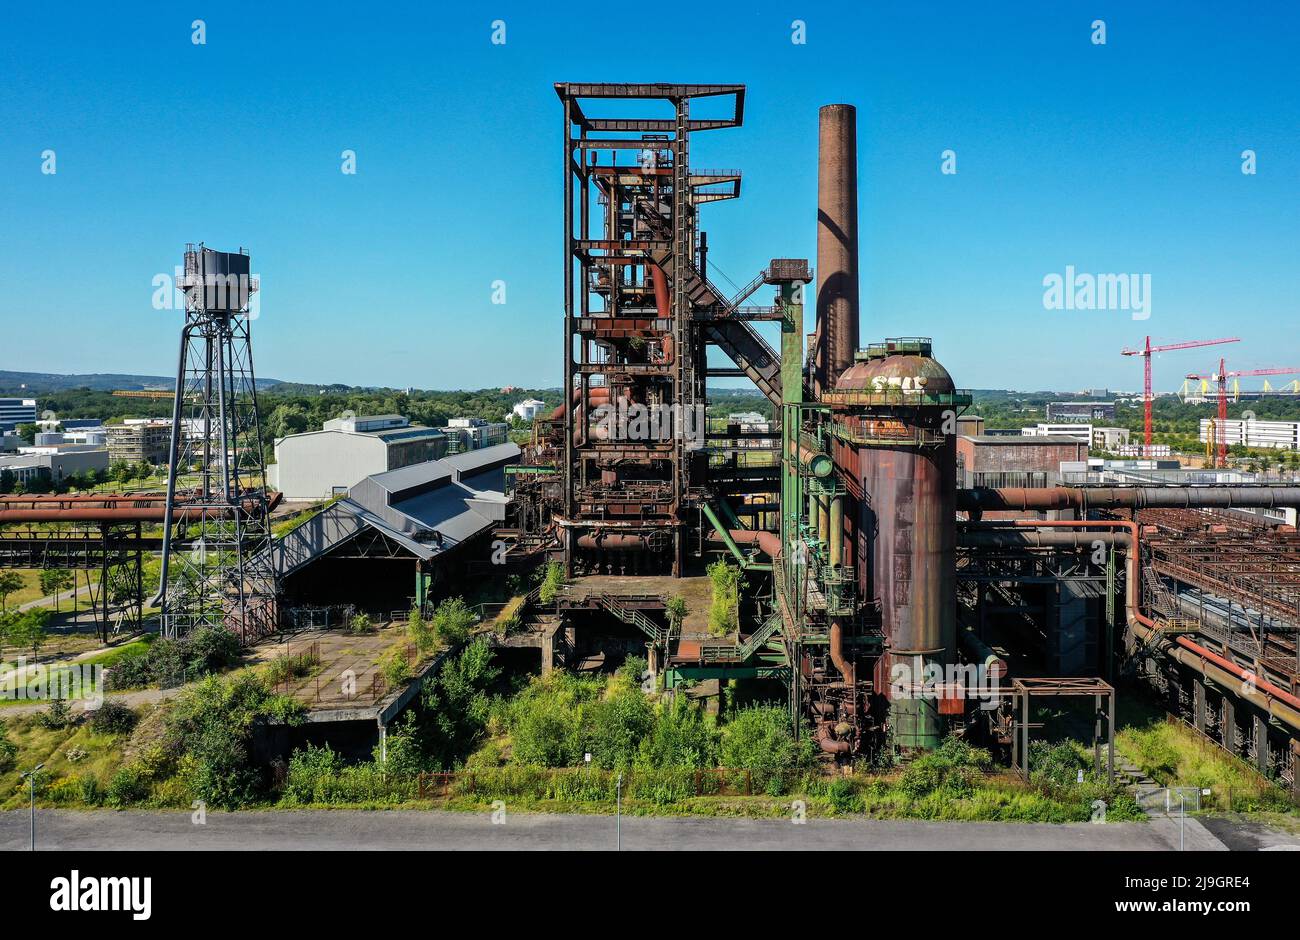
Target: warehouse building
(325, 463)
(54, 464)
(399, 536)
(996, 460)
(1283, 435)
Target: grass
(31, 590)
(37, 745)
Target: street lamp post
(618, 813)
(30, 777)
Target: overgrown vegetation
(552, 580)
(203, 652)
(724, 609)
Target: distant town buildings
(474, 433)
(324, 463)
(139, 439)
(54, 464)
(1110, 439)
(16, 411)
(1283, 435)
(1080, 411)
(1080, 432)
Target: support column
(1198, 704)
(1228, 724)
(1261, 744)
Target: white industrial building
(324, 463)
(1077, 431)
(528, 409)
(1110, 439)
(56, 464)
(475, 433)
(1282, 435)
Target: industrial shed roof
(427, 508)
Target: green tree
(27, 432)
(55, 581)
(10, 581)
(28, 630)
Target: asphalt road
(408, 829)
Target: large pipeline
(1026, 499)
(109, 509)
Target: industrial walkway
(410, 829)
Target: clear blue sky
(1116, 158)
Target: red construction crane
(1145, 352)
(1220, 378)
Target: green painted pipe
(730, 542)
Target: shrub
(844, 796)
(396, 668)
(307, 767)
(126, 787)
(951, 771)
(91, 794)
(212, 724)
(682, 736)
(8, 751)
(760, 739)
(361, 624)
(206, 651)
(56, 717)
(291, 666)
(452, 621)
(112, 718)
(420, 632)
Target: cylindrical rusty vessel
(907, 522)
(836, 333)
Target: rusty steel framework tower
(214, 569)
(639, 315)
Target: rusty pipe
(1025, 499)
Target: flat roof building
(324, 463)
(55, 464)
(996, 460)
(1081, 411)
(1282, 435)
(16, 411)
